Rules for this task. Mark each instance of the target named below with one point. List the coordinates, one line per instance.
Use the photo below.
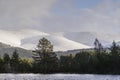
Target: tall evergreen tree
(7, 67)
(115, 49)
(45, 57)
(98, 46)
(15, 56)
(115, 57)
(15, 61)
(6, 58)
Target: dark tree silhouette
(15, 61)
(45, 57)
(6, 66)
(98, 46)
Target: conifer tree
(6, 58)
(45, 57)
(15, 61)
(98, 46)
(6, 67)
(115, 49)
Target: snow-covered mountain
(88, 38)
(62, 41)
(28, 39)
(14, 37)
(23, 53)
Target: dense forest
(100, 60)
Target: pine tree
(6, 58)
(15, 56)
(115, 49)
(7, 67)
(15, 61)
(115, 57)
(45, 57)
(98, 46)
(43, 48)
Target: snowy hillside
(60, 43)
(88, 38)
(28, 39)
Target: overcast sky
(61, 15)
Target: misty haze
(59, 39)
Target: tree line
(14, 64)
(100, 60)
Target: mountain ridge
(28, 39)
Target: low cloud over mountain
(28, 39)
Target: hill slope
(4, 48)
(88, 38)
(60, 43)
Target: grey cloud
(101, 18)
(38, 14)
(16, 14)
